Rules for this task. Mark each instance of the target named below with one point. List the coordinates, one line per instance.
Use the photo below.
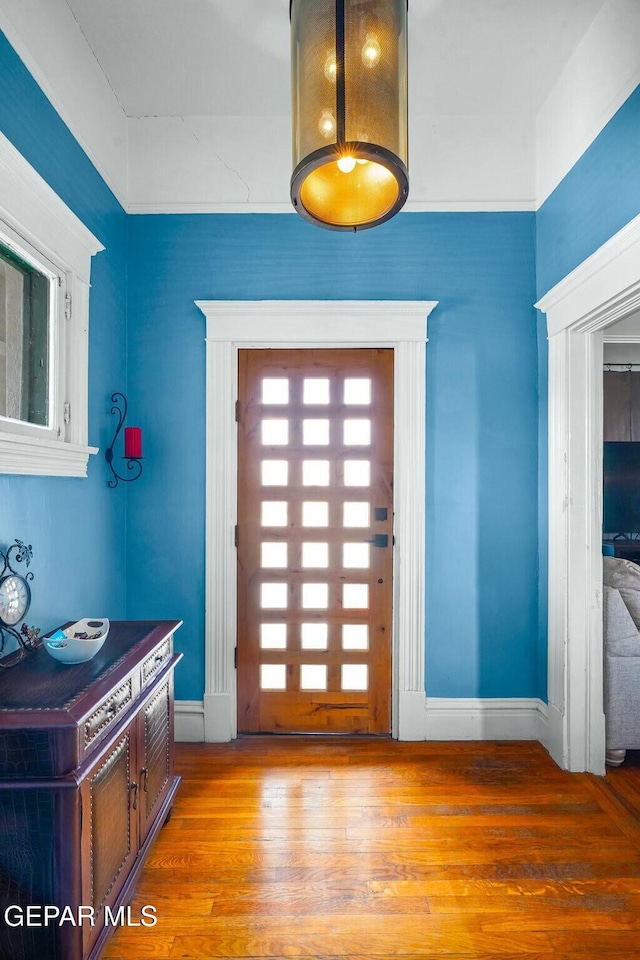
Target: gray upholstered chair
(621, 657)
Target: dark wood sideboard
(86, 782)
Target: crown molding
(411, 206)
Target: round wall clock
(15, 597)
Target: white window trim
(234, 325)
(32, 213)
(603, 289)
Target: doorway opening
(604, 289)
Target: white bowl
(65, 646)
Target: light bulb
(327, 124)
(371, 52)
(346, 164)
(330, 67)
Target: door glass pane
(355, 676)
(357, 473)
(273, 676)
(315, 513)
(275, 473)
(315, 433)
(355, 636)
(357, 390)
(313, 676)
(315, 596)
(275, 433)
(273, 636)
(274, 513)
(25, 302)
(356, 514)
(314, 636)
(273, 596)
(275, 390)
(355, 595)
(315, 473)
(273, 555)
(315, 554)
(357, 433)
(315, 390)
(355, 555)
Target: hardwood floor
(361, 848)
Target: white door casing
(600, 291)
(400, 325)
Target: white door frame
(234, 325)
(599, 292)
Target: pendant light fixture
(349, 111)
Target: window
(27, 302)
(45, 266)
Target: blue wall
(598, 196)
(482, 620)
(481, 414)
(76, 526)
(486, 630)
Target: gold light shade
(349, 96)
(360, 197)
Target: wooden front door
(315, 521)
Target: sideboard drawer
(154, 663)
(102, 719)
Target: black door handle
(379, 540)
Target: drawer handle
(143, 776)
(112, 709)
(159, 658)
(134, 790)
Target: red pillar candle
(133, 442)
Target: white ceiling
(184, 105)
(172, 58)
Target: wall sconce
(132, 443)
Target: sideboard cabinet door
(155, 759)
(109, 828)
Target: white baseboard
(219, 717)
(488, 719)
(543, 724)
(411, 715)
(555, 733)
(189, 721)
(197, 721)
(444, 719)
